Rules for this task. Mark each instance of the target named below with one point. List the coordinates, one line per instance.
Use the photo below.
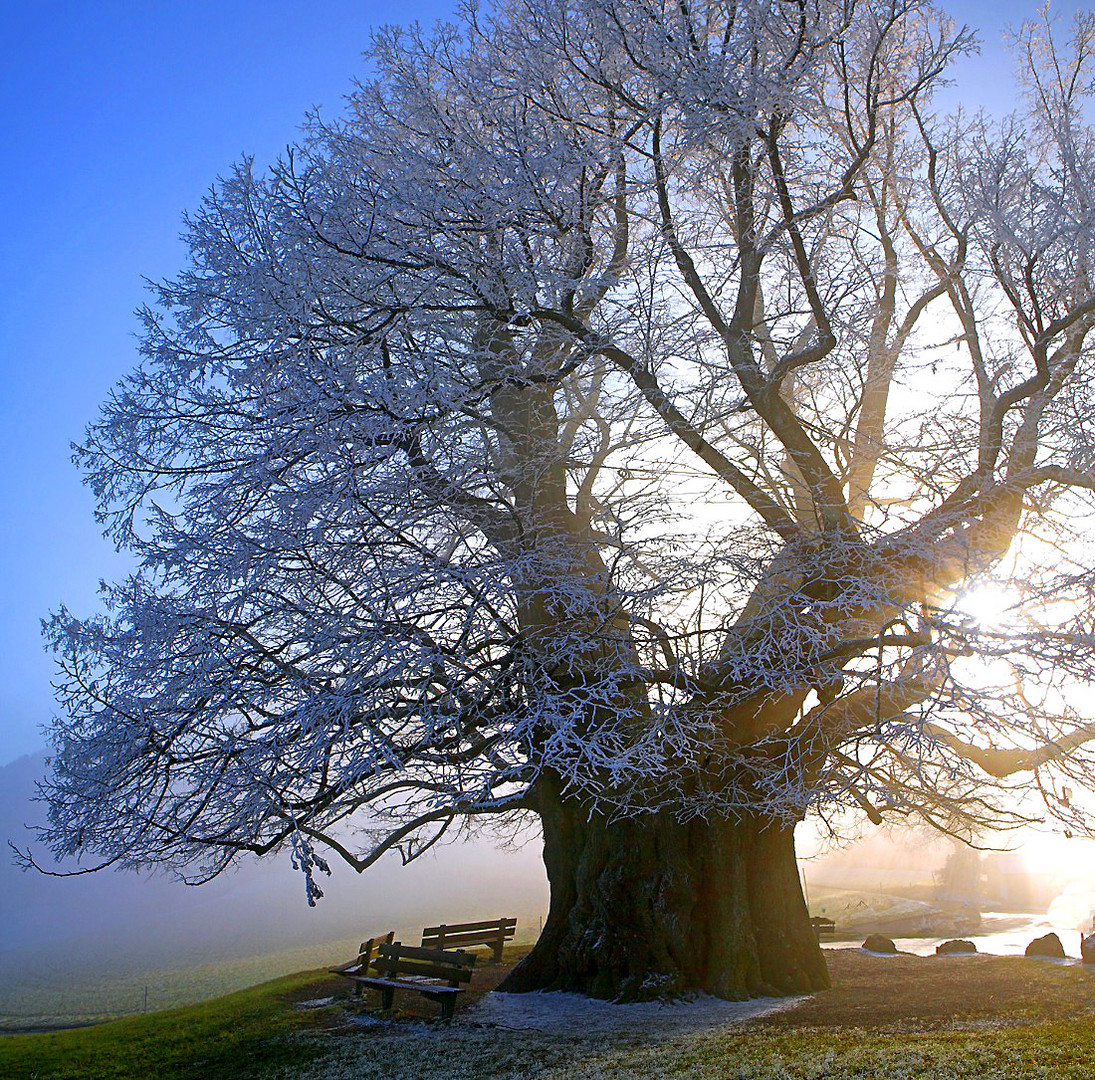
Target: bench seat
(434, 974)
(430, 990)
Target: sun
(989, 605)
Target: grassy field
(32, 995)
(242, 1035)
(290, 1029)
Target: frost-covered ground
(572, 1012)
(522, 1036)
(463, 1051)
(900, 1018)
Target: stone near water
(1087, 949)
(1048, 945)
(954, 946)
(879, 943)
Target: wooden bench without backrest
(494, 933)
(403, 967)
(365, 953)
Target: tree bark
(650, 906)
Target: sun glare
(988, 606)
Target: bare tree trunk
(651, 906)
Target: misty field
(983, 1017)
(48, 993)
(46, 996)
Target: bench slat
(491, 924)
(402, 984)
(435, 956)
(453, 973)
(473, 937)
(397, 959)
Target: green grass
(241, 1035)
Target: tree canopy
(631, 394)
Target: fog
(1022, 872)
(127, 930)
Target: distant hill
(117, 923)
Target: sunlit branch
(1001, 762)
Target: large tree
(606, 419)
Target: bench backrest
(396, 959)
(360, 964)
(368, 948)
(456, 935)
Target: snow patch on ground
(364, 1019)
(573, 1012)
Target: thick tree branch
(1000, 762)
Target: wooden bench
(360, 965)
(434, 973)
(495, 933)
(823, 928)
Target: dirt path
(921, 993)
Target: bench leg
(386, 998)
(497, 947)
(448, 1006)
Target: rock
(1049, 945)
(1087, 949)
(955, 945)
(880, 944)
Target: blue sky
(115, 118)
